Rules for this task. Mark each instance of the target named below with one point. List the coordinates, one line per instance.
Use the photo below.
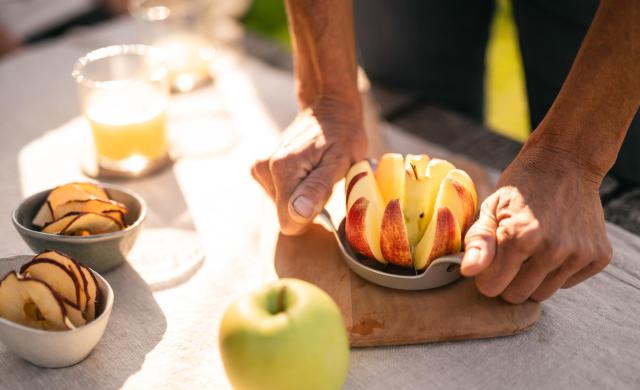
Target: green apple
(287, 335)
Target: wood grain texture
(377, 315)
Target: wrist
(563, 155)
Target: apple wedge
(75, 315)
(74, 191)
(416, 193)
(93, 293)
(57, 226)
(460, 201)
(363, 229)
(91, 224)
(360, 182)
(390, 176)
(57, 276)
(43, 216)
(98, 206)
(437, 170)
(441, 237)
(394, 241)
(73, 266)
(32, 303)
(464, 179)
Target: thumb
(310, 196)
(480, 241)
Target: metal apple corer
(442, 271)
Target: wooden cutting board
(380, 316)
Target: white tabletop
(166, 336)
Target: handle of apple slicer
(325, 220)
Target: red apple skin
(353, 182)
(355, 227)
(446, 242)
(394, 243)
(469, 209)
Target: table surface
(165, 336)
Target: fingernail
(472, 256)
(303, 207)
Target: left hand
(543, 229)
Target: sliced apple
(74, 313)
(460, 201)
(73, 266)
(394, 242)
(74, 191)
(464, 178)
(57, 276)
(417, 163)
(90, 224)
(93, 293)
(118, 216)
(437, 170)
(363, 229)
(32, 303)
(43, 216)
(361, 182)
(56, 227)
(98, 206)
(441, 237)
(416, 191)
(390, 176)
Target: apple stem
(415, 170)
(280, 303)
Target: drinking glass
(124, 94)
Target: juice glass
(124, 93)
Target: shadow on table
(136, 326)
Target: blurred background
(26, 22)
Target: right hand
(317, 150)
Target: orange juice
(128, 121)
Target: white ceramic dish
(441, 271)
(53, 349)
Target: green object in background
(506, 108)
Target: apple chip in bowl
(80, 209)
(410, 211)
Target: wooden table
(165, 336)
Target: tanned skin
(543, 229)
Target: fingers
(261, 173)
(480, 240)
(532, 274)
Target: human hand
(318, 149)
(543, 229)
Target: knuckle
(486, 288)
(514, 295)
(316, 186)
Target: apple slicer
(442, 271)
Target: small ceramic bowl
(100, 252)
(54, 349)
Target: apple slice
(90, 224)
(57, 276)
(394, 241)
(460, 201)
(464, 179)
(57, 226)
(442, 237)
(74, 191)
(360, 182)
(98, 206)
(93, 293)
(437, 170)
(363, 229)
(43, 216)
(74, 313)
(73, 266)
(32, 303)
(118, 216)
(416, 192)
(390, 176)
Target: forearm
(590, 116)
(324, 53)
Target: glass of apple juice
(124, 94)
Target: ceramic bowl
(54, 349)
(100, 252)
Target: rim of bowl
(108, 306)
(92, 238)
